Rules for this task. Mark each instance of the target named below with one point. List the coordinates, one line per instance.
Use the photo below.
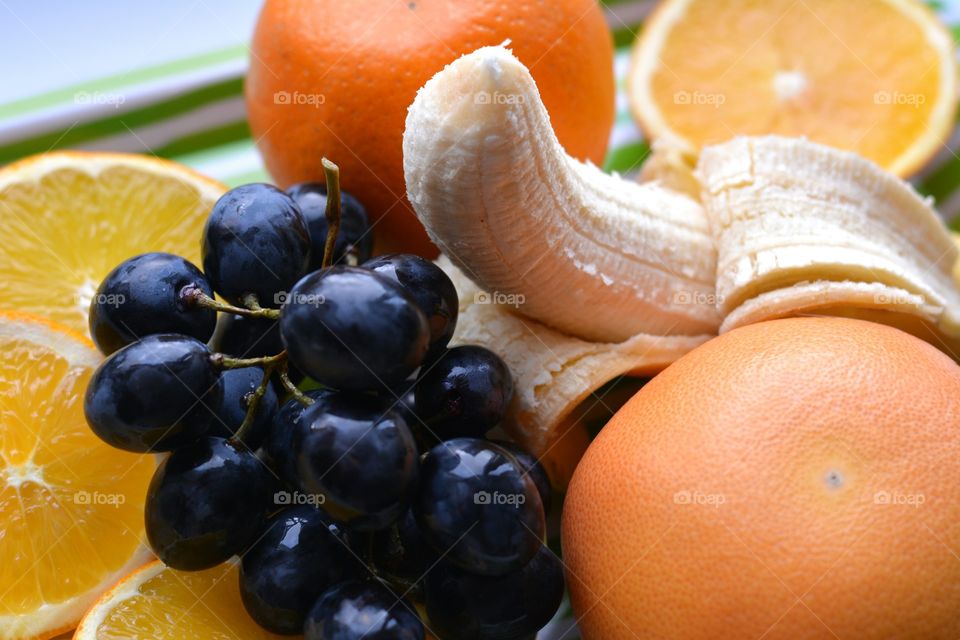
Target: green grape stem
(254, 402)
(301, 397)
(222, 361)
(250, 302)
(333, 214)
(272, 365)
(192, 295)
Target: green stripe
(247, 178)
(627, 158)
(624, 37)
(942, 183)
(114, 83)
(120, 124)
(217, 154)
(209, 155)
(943, 179)
(221, 135)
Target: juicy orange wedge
(68, 218)
(71, 507)
(160, 603)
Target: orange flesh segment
(856, 74)
(66, 228)
(71, 506)
(179, 604)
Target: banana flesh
(593, 255)
(803, 228)
(669, 166)
(576, 277)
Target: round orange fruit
(792, 479)
(335, 79)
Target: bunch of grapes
(320, 428)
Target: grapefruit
(795, 479)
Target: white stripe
(624, 134)
(621, 64)
(950, 208)
(235, 160)
(90, 106)
(629, 15)
(150, 137)
(950, 13)
(623, 104)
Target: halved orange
(67, 218)
(877, 77)
(160, 603)
(71, 507)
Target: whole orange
(334, 78)
(792, 479)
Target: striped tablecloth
(182, 98)
(168, 80)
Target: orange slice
(71, 507)
(160, 603)
(877, 77)
(68, 218)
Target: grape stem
(272, 365)
(222, 361)
(250, 302)
(332, 173)
(192, 295)
(254, 402)
(288, 384)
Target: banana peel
(553, 373)
(576, 277)
(802, 228)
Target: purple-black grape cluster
(361, 504)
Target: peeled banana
(576, 277)
(803, 228)
(669, 166)
(592, 255)
(553, 372)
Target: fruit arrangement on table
(730, 385)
